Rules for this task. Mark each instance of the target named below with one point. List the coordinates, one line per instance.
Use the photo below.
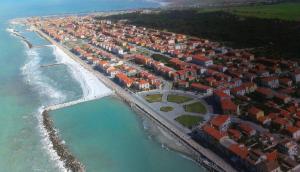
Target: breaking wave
(34, 77)
(49, 94)
(90, 84)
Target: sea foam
(90, 84)
(92, 87)
(47, 144)
(34, 77)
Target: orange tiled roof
(219, 120)
(234, 133)
(200, 58)
(124, 78)
(253, 110)
(246, 128)
(213, 132)
(227, 104)
(272, 156)
(239, 150)
(199, 86)
(292, 129)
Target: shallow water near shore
(106, 135)
(25, 87)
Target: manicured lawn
(166, 108)
(178, 99)
(188, 120)
(197, 107)
(154, 98)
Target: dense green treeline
(269, 37)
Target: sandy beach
(92, 87)
(198, 150)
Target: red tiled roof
(264, 91)
(143, 82)
(199, 86)
(285, 114)
(213, 132)
(298, 114)
(246, 128)
(281, 96)
(267, 79)
(176, 61)
(102, 62)
(297, 124)
(280, 121)
(200, 58)
(239, 150)
(291, 109)
(248, 84)
(181, 72)
(210, 79)
(234, 133)
(285, 80)
(272, 156)
(221, 94)
(253, 111)
(227, 104)
(263, 119)
(219, 120)
(292, 129)
(237, 89)
(124, 78)
(272, 115)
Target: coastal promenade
(216, 163)
(72, 103)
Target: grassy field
(178, 99)
(188, 120)
(160, 58)
(154, 98)
(283, 11)
(166, 109)
(197, 107)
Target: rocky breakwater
(71, 163)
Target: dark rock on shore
(71, 163)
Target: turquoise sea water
(106, 135)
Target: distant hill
(216, 3)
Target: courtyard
(184, 109)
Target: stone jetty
(71, 163)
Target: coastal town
(241, 107)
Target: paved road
(134, 99)
(167, 85)
(151, 52)
(196, 98)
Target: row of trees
(269, 37)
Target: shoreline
(202, 155)
(70, 161)
(14, 33)
(92, 89)
(156, 128)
